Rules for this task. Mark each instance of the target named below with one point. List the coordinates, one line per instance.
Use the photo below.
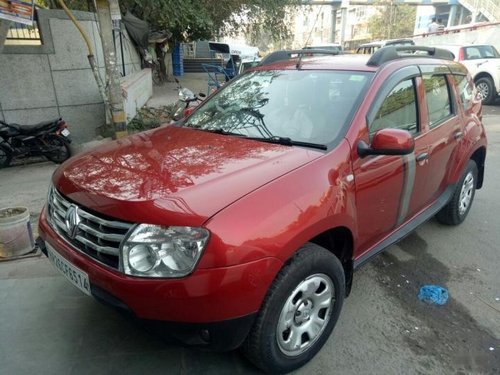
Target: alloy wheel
(483, 90)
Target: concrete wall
(482, 35)
(39, 83)
(137, 88)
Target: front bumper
(199, 309)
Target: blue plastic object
(178, 60)
(433, 294)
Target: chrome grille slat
(96, 237)
(60, 212)
(61, 225)
(105, 236)
(107, 223)
(101, 249)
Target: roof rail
(293, 54)
(391, 53)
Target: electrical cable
(314, 25)
(78, 26)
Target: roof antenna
(299, 62)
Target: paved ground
(167, 93)
(49, 327)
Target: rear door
(442, 132)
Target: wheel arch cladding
(339, 241)
(479, 156)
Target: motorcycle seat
(29, 129)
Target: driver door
(384, 183)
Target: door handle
(458, 135)
(423, 156)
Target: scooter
(186, 103)
(49, 138)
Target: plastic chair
(217, 75)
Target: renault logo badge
(72, 219)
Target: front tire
(486, 89)
(5, 156)
(57, 149)
(458, 207)
(299, 312)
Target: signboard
(21, 11)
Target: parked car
(243, 224)
(248, 63)
(372, 47)
(335, 47)
(483, 63)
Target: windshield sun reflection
(299, 106)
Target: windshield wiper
(220, 131)
(286, 141)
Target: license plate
(76, 276)
(65, 132)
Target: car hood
(173, 175)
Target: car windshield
(481, 52)
(297, 105)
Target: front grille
(95, 236)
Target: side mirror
(388, 142)
(202, 95)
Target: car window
(437, 97)
(368, 50)
(306, 106)
(472, 53)
(480, 52)
(398, 110)
(465, 90)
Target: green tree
(392, 21)
(190, 20)
(208, 19)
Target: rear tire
(5, 156)
(59, 150)
(299, 312)
(458, 207)
(486, 89)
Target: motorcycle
(186, 103)
(49, 138)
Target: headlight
(156, 251)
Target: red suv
(242, 225)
